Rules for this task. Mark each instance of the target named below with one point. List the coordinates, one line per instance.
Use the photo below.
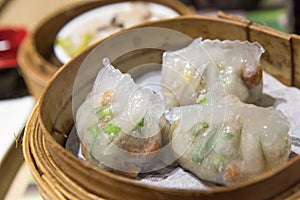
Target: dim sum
(230, 143)
(208, 65)
(120, 123)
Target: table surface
(15, 112)
(30, 13)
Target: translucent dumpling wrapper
(212, 66)
(120, 124)
(229, 143)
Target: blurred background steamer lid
(103, 21)
(43, 62)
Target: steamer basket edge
(54, 147)
(42, 39)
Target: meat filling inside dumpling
(232, 143)
(230, 67)
(120, 124)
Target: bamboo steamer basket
(60, 174)
(36, 56)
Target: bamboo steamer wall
(60, 174)
(36, 57)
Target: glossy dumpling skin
(208, 65)
(229, 143)
(119, 123)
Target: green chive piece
(94, 130)
(201, 101)
(188, 77)
(229, 136)
(199, 128)
(205, 125)
(217, 160)
(67, 44)
(197, 159)
(112, 129)
(205, 148)
(87, 38)
(141, 122)
(103, 112)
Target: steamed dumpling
(230, 67)
(119, 123)
(229, 143)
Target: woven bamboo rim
(46, 132)
(36, 56)
(35, 79)
(51, 181)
